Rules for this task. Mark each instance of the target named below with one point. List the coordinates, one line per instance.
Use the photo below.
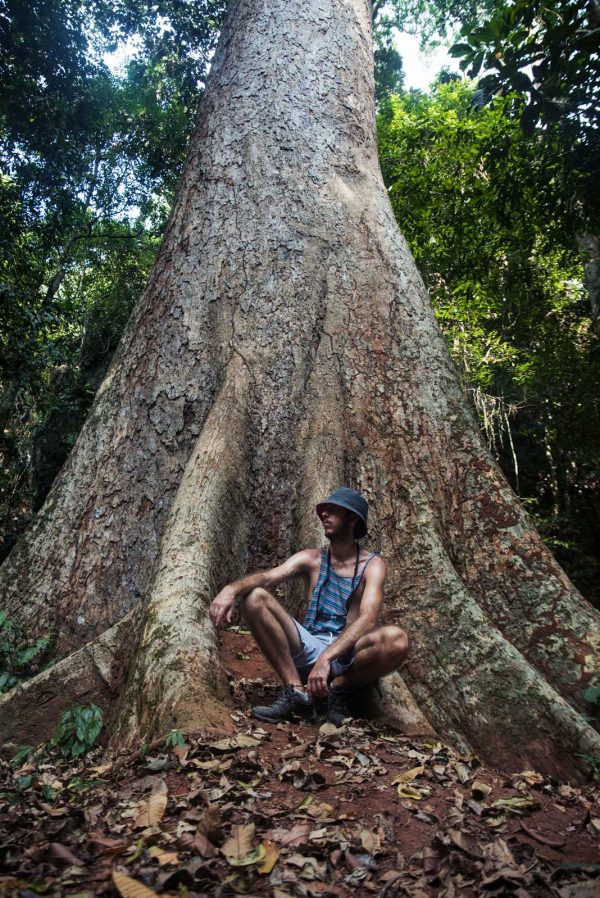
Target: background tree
(89, 163)
(489, 215)
(285, 343)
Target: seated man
(339, 648)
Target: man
(339, 648)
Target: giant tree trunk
(286, 344)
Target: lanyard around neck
(355, 564)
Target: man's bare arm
(370, 606)
(221, 609)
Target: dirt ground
(294, 810)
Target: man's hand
(317, 686)
(221, 609)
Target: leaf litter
(298, 811)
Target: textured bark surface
(286, 344)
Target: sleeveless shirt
(328, 607)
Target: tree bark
(286, 344)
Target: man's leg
(278, 639)
(375, 654)
(275, 632)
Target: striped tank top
(328, 607)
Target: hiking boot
(338, 705)
(288, 704)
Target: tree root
(30, 711)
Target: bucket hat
(348, 498)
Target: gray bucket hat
(353, 501)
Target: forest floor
(294, 810)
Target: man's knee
(392, 642)
(255, 602)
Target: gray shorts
(312, 646)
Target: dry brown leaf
(462, 771)
(292, 838)
(409, 775)
(149, 813)
(238, 849)
(531, 776)
(220, 764)
(517, 804)
(234, 742)
(210, 825)
(181, 753)
(480, 790)
(203, 846)
(53, 812)
(431, 860)
(370, 841)
(131, 888)
(320, 810)
(163, 857)
(63, 854)
(271, 856)
(108, 847)
(390, 874)
(297, 752)
(465, 843)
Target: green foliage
(490, 218)
(593, 761)
(592, 695)
(22, 754)
(389, 75)
(176, 739)
(432, 20)
(556, 42)
(19, 657)
(78, 730)
(546, 56)
(88, 165)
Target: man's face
(336, 521)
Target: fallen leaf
(210, 825)
(131, 888)
(504, 873)
(320, 810)
(480, 790)
(370, 841)
(516, 805)
(292, 838)
(412, 793)
(163, 857)
(181, 753)
(329, 729)
(106, 846)
(53, 812)
(220, 764)
(238, 849)
(465, 843)
(150, 812)
(297, 752)
(462, 771)
(409, 775)
(63, 854)
(234, 742)
(137, 851)
(271, 856)
(532, 777)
